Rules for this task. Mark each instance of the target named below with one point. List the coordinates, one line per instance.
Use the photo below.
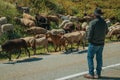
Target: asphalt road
(55, 66)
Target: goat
(57, 31)
(22, 9)
(28, 16)
(75, 37)
(43, 41)
(15, 44)
(36, 30)
(57, 40)
(69, 27)
(115, 31)
(54, 19)
(7, 27)
(24, 21)
(3, 20)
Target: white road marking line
(82, 73)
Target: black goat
(15, 44)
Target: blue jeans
(92, 50)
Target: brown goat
(69, 27)
(54, 19)
(15, 44)
(57, 40)
(114, 32)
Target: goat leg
(78, 44)
(28, 52)
(47, 48)
(34, 49)
(55, 48)
(9, 56)
(83, 43)
(19, 54)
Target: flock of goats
(70, 30)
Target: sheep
(3, 20)
(36, 30)
(25, 22)
(7, 27)
(15, 44)
(77, 37)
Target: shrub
(8, 10)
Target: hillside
(111, 9)
(73, 7)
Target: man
(96, 37)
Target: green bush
(60, 9)
(8, 36)
(8, 10)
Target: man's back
(97, 31)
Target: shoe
(97, 76)
(88, 76)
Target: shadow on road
(42, 54)
(82, 51)
(24, 60)
(109, 78)
(74, 51)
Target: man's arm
(90, 32)
(107, 29)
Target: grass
(7, 9)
